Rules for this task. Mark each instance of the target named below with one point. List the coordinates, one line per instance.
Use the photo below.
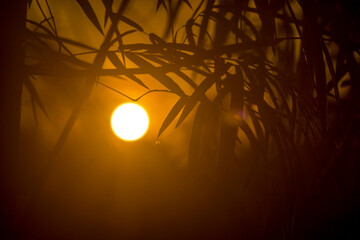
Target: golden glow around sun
(129, 121)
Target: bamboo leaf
(332, 71)
(204, 139)
(89, 12)
(346, 83)
(108, 9)
(244, 126)
(112, 42)
(267, 20)
(159, 3)
(65, 40)
(187, 3)
(35, 96)
(114, 59)
(130, 22)
(172, 114)
(177, 72)
(189, 32)
(205, 22)
(199, 94)
(156, 40)
(165, 80)
(257, 126)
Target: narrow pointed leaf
(198, 95)
(187, 3)
(108, 9)
(332, 72)
(189, 32)
(204, 139)
(89, 12)
(177, 72)
(205, 22)
(159, 76)
(131, 23)
(159, 3)
(35, 96)
(121, 35)
(249, 134)
(114, 59)
(172, 114)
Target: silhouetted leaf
(156, 40)
(56, 38)
(130, 22)
(65, 40)
(267, 20)
(205, 21)
(332, 72)
(89, 12)
(159, 3)
(256, 122)
(121, 35)
(249, 134)
(172, 114)
(182, 75)
(67, 129)
(35, 96)
(204, 139)
(159, 76)
(189, 32)
(119, 65)
(187, 3)
(199, 94)
(108, 9)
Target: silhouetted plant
(276, 81)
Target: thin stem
(138, 98)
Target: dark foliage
(279, 91)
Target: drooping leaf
(89, 12)
(159, 3)
(177, 72)
(165, 80)
(114, 59)
(172, 115)
(108, 9)
(244, 126)
(315, 60)
(121, 35)
(346, 83)
(65, 40)
(130, 22)
(34, 95)
(189, 32)
(204, 139)
(46, 19)
(173, 14)
(266, 17)
(205, 22)
(332, 71)
(67, 129)
(199, 94)
(56, 38)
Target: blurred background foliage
(265, 94)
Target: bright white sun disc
(129, 121)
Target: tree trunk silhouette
(12, 22)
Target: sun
(129, 121)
